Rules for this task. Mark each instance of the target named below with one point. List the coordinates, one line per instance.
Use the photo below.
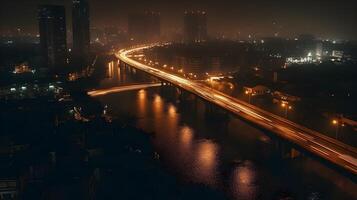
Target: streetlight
(249, 93)
(286, 107)
(336, 123)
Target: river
(224, 154)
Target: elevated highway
(327, 148)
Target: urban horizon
(286, 20)
(189, 100)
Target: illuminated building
(192, 64)
(22, 68)
(337, 54)
(52, 25)
(319, 51)
(9, 188)
(257, 90)
(195, 26)
(81, 35)
(144, 27)
(112, 34)
(96, 35)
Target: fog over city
(288, 18)
(178, 99)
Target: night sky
(325, 18)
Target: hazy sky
(325, 18)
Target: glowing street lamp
(249, 93)
(286, 107)
(337, 124)
(334, 122)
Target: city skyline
(279, 18)
(81, 30)
(189, 99)
(53, 39)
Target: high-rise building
(144, 27)
(81, 35)
(52, 27)
(195, 26)
(111, 34)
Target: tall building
(195, 26)
(111, 34)
(144, 27)
(52, 27)
(81, 35)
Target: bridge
(318, 144)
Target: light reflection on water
(158, 111)
(206, 162)
(243, 181)
(200, 155)
(142, 103)
(185, 140)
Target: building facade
(144, 27)
(81, 32)
(52, 28)
(195, 26)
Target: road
(106, 91)
(327, 148)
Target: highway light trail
(332, 150)
(101, 92)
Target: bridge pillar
(214, 112)
(185, 100)
(166, 89)
(286, 149)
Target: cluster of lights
(165, 66)
(304, 60)
(286, 105)
(337, 122)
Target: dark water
(227, 155)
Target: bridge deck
(332, 150)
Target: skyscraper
(52, 27)
(195, 26)
(81, 35)
(144, 27)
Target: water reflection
(195, 151)
(142, 103)
(158, 109)
(172, 111)
(206, 162)
(119, 72)
(185, 140)
(122, 75)
(110, 70)
(243, 181)
(172, 120)
(115, 75)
